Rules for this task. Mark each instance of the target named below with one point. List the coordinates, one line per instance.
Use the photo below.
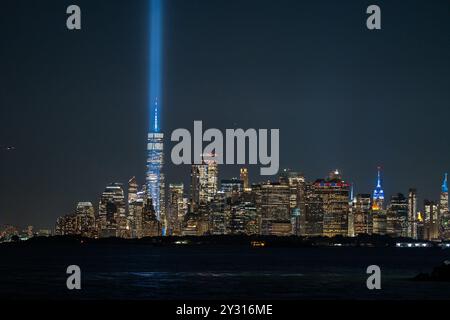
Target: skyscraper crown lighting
(378, 193)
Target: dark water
(217, 272)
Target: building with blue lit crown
(378, 194)
(443, 211)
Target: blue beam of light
(444, 184)
(156, 30)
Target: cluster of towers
(401, 217)
(289, 206)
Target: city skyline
(289, 206)
(76, 130)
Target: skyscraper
(378, 194)
(132, 190)
(431, 220)
(204, 181)
(272, 204)
(293, 180)
(362, 212)
(335, 194)
(443, 210)
(212, 183)
(200, 183)
(176, 208)
(310, 205)
(244, 178)
(412, 213)
(379, 214)
(397, 216)
(85, 216)
(155, 146)
(112, 210)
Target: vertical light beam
(155, 64)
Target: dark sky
(74, 104)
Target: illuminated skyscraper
(204, 181)
(412, 213)
(212, 183)
(379, 214)
(293, 180)
(431, 220)
(443, 210)
(335, 194)
(85, 215)
(112, 210)
(378, 194)
(132, 190)
(362, 213)
(155, 147)
(176, 208)
(272, 204)
(244, 178)
(310, 209)
(397, 216)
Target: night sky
(75, 103)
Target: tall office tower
(378, 213)
(199, 185)
(111, 210)
(244, 179)
(217, 218)
(212, 183)
(362, 212)
(132, 190)
(137, 208)
(176, 208)
(397, 216)
(204, 181)
(335, 194)
(412, 213)
(85, 216)
(293, 180)
(431, 220)
(132, 207)
(202, 184)
(378, 194)
(272, 204)
(443, 211)
(155, 146)
(310, 205)
(195, 188)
